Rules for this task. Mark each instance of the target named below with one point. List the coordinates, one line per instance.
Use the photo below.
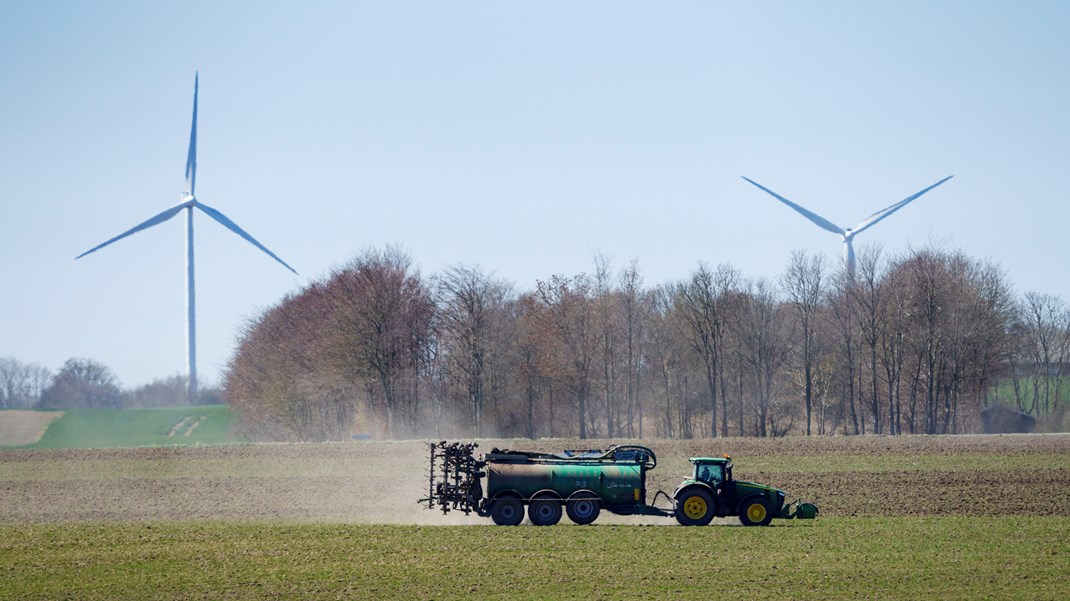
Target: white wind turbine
(190, 202)
(848, 234)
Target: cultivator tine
(454, 477)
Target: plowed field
(380, 482)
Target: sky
(520, 137)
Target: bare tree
(871, 302)
(702, 323)
(635, 306)
(82, 384)
(569, 313)
(282, 383)
(843, 321)
(765, 348)
(472, 310)
(21, 384)
(163, 392)
(383, 329)
(804, 283)
(665, 360)
(606, 305)
(1047, 326)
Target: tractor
(712, 492)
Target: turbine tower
(848, 234)
(190, 202)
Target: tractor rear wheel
(755, 511)
(695, 507)
(544, 512)
(507, 512)
(583, 509)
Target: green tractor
(583, 483)
(712, 492)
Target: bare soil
(380, 482)
(21, 427)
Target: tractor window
(711, 474)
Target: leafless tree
(665, 360)
(82, 384)
(1047, 327)
(842, 319)
(162, 392)
(21, 384)
(635, 306)
(871, 307)
(804, 283)
(567, 310)
(702, 323)
(609, 332)
(383, 330)
(765, 349)
(473, 333)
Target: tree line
(911, 344)
(83, 383)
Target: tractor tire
(507, 512)
(755, 511)
(583, 509)
(695, 507)
(544, 512)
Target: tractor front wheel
(755, 511)
(507, 512)
(695, 507)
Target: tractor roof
(711, 460)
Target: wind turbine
(848, 234)
(190, 202)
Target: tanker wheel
(695, 507)
(755, 511)
(507, 512)
(583, 509)
(544, 512)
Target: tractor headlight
(779, 500)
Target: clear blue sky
(519, 136)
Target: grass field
(975, 517)
(829, 559)
(108, 428)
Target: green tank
(614, 482)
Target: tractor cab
(714, 471)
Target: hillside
(109, 428)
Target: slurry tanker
(582, 483)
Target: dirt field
(20, 427)
(379, 482)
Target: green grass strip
(111, 428)
(827, 559)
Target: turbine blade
(818, 220)
(164, 216)
(230, 225)
(191, 158)
(881, 214)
